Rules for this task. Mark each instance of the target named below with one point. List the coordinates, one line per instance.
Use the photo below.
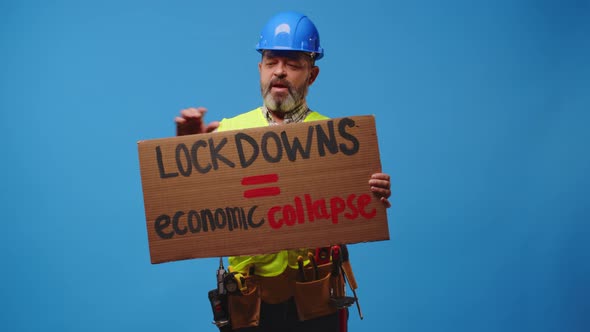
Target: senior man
(290, 46)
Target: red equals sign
(258, 180)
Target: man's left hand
(381, 186)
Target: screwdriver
(301, 271)
(347, 267)
(311, 257)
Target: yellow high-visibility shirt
(268, 265)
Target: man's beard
(286, 104)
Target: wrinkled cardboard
(280, 191)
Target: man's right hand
(191, 121)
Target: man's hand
(381, 186)
(191, 121)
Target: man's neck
(277, 117)
(297, 114)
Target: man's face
(284, 79)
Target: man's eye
(294, 65)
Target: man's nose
(280, 70)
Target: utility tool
(218, 300)
(301, 270)
(322, 255)
(235, 283)
(311, 257)
(220, 277)
(348, 268)
(219, 307)
(338, 299)
(349, 277)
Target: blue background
(482, 111)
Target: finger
(193, 113)
(380, 183)
(179, 120)
(212, 126)
(386, 202)
(381, 191)
(380, 176)
(190, 113)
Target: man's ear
(259, 67)
(315, 71)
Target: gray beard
(293, 100)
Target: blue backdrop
(482, 114)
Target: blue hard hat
(290, 31)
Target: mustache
(278, 81)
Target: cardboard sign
(262, 190)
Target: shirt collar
(297, 115)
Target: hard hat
(290, 31)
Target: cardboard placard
(262, 190)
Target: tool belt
(312, 297)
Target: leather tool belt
(312, 296)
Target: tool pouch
(245, 309)
(276, 289)
(312, 298)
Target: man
(290, 45)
